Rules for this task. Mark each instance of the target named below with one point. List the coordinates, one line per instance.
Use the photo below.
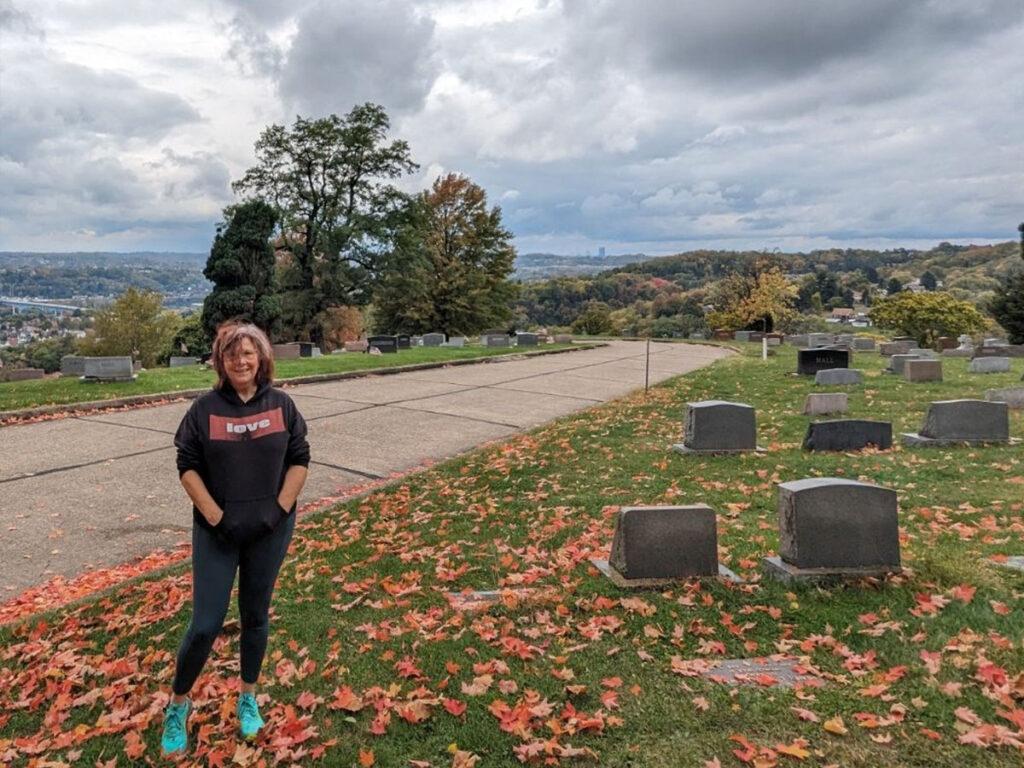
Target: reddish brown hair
(229, 336)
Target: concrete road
(102, 489)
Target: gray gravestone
(526, 339)
(820, 339)
(717, 426)
(741, 336)
(995, 343)
(286, 351)
(433, 339)
(494, 340)
(108, 369)
(888, 348)
(383, 344)
(948, 422)
(848, 435)
(665, 542)
(72, 365)
(898, 362)
(830, 402)
(861, 343)
(810, 361)
(455, 341)
(182, 361)
(1012, 396)
(838, 377)
(21, 374)
(923, 370)
(798, 339)
(990, 365)
(833, 527)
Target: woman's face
(242, 363)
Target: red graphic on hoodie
(246, 427)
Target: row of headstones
(718, 426)
(829, 528)
(914, 364)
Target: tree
(451, 266)
(242, 269)
(190, 338)
(759, 304)
(596, 319)
(893, 287)
(928, 281)
(1007, 306)
(327, 180)
(135, 324)
(927, 316)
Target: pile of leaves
(380, 653)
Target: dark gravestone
(755, 336)
(433, 339)
(717, 426)
(665, 542)
(1009, 350)
(21, 374)
(832, 527)
(720, 334)
(384, 344)
(948, 422)
(305, 348)
(848, 435)
(526, 340)
(810, 361)
(404, 341)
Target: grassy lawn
(369, 664)
(59, 391)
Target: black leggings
(214, 562)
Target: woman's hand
(214, 518)
(286, 507)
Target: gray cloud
(347, 53)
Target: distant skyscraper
(600, 252)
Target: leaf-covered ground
(371, 662)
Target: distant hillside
(671, 287)
(538, 266)
(81, 277)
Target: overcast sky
(651, 126)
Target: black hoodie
(242, 451)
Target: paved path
(98, 490)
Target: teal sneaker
(249, 719)
(175, 738)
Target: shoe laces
(175, 721)
(247, 706)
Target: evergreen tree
(893, 287)
(451, 265)
(241, 267)
(928, 281)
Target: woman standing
(242, 458)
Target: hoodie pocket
(246, 521)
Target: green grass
(364, 588)
(61, 391)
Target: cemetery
(772, 585)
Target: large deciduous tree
(242, 269)
(758, 303)
(450, 268)
(927, 316)
(135, 324)
(328, 180)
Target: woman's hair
(229, 336)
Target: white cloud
(651, 126)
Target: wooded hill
(672, 289)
